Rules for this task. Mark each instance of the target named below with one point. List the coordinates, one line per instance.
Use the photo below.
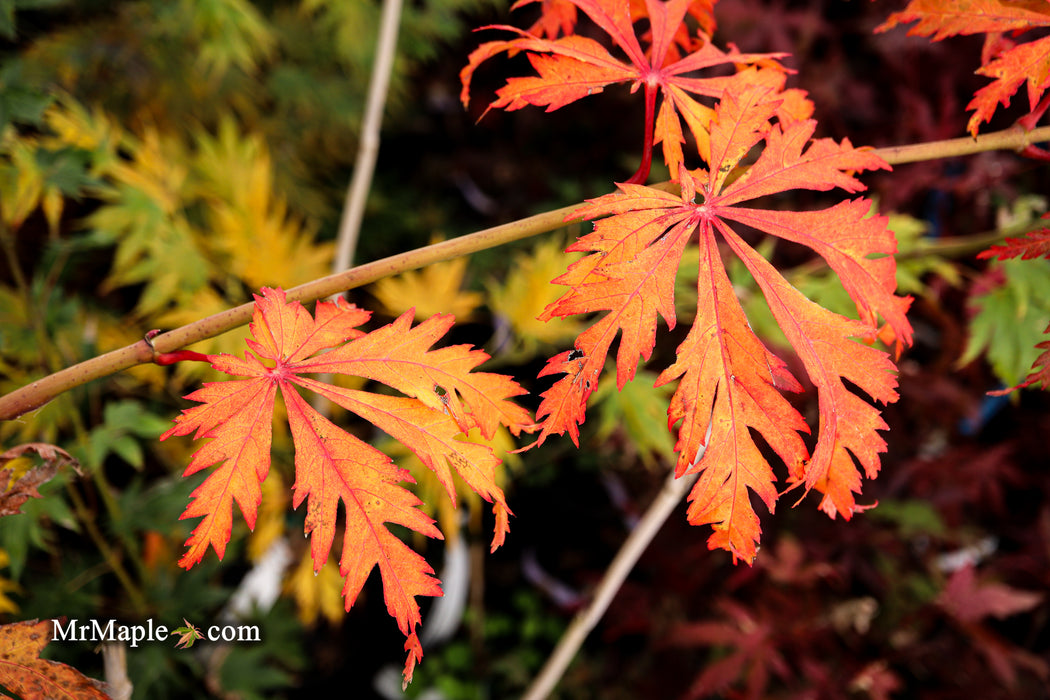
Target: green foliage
(1011, 318)
(516, 642)
(917, 261)
(20, 101)
(912, 518)
(638, 415)
(122, 422)
(35, 528)
(258, 671)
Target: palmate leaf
(1034, 245)
(728, 382)
(558, 17)
(1008, 64)
(443, 397)
(574, 66)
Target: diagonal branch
(38, 393)
(368, 148)
(634, 546)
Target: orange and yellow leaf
(443, 397)
(729, 383)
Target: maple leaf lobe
(443, 397)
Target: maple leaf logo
(188, 634)
(573, 66)
(442, 397)
(728, 382)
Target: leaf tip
(415, 655)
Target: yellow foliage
(157, 169)
(435, 289)
(73, 125)
(269, 523)
(526, 293)
(317, 594)
(18, 466)
(21, 182)
(7, 586)
(265, 247)
(249, 225)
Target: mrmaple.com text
(112, 631)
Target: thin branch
(368, 145)
(115, 663)
(1013, 139)
(367, 152)
(659, 510)
(40, 392)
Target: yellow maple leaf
(316, 594)
(269, 523)
(435, 289)
(74, 125)
(527, 291)
(250, 227)
(22, 181)
(157, 169)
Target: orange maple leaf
(24, 673)
(558, 17)
(728, 381)
(1013, 65)
(572, 67)
(442, 398)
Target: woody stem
(41, 391)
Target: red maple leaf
(24, 673)
(442, 398)
(572, 67)
(1035, 245)
(752, 648)
(969, 602)
(1011, 65)
(557, 17)
(728, 381)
